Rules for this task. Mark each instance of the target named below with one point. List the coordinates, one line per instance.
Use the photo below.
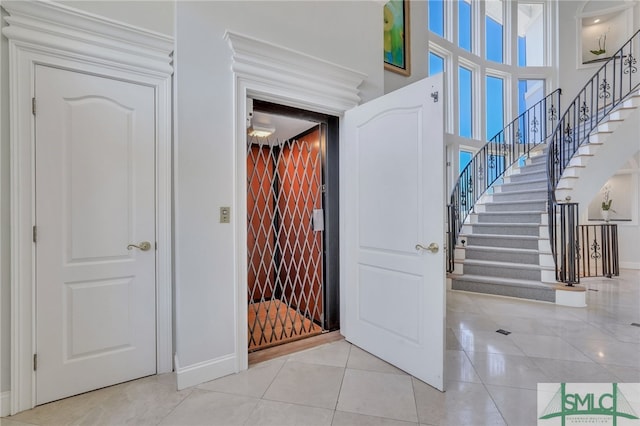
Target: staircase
(513, 230)
(501, 241)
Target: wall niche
(603, 27)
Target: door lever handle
(144, 246)
(433, 247)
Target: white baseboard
(629, 265)
(5, 401)
(205, 371)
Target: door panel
(394, 200)
(95, 299)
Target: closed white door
(95, 298)
(394, 212)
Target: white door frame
(44, 33)
(276, 74)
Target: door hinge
(324, 188)
(35, 234)
(33, 106)
(35, 362)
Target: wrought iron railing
(598, 251)
(530, 129)
(611, 85)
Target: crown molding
(76, 33)
(336, 86)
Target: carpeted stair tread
(502, 249)
(508, 265)
(499, 280)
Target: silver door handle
(144, 246)
(433, 247)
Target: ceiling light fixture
(596, 20)
(260, 132)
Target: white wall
(5, 302)
(156, 15)
(572, 79)
(419, 43)
(346, 33)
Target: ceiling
(285, 127)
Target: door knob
(144, 246)
(433, 247)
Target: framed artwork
(396, 37)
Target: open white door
(393, 212)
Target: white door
(394, 193)
(95, 299)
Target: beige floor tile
(307, 384)
(547, 347)
(146, 401)
(517, 406)
(334, 354)
(463, 404)
(252, 382)
(378, 394)
(458, 368)
(343, 418)
(487, 341)
(362, 360)
(211, 408)
(507, 370)
(274, 413)
(574, 371)
(6, 421)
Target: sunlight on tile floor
(491, 378)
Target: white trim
(204, 371)
(276, 74)
(5, 402)
(630, 265)
(51, 34)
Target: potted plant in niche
(606, 204)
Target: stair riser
(547, 295)
(520, 196)
(540, 166)
(526, 177)
(522, 186)
(517, 207)
(509, 218)
(509, 257)
(492, 271)
(501, 242)
(502, 230)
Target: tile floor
(491, 378)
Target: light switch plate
(225, 214)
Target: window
(464, 159)
(495, 105)
(464, 24)
(465, 98)
(530, 92)
(436, 17)
(436, 64)
(531, 39)
(532, 124)
(494, 31)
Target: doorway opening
(292, 224)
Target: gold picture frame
(397, 46)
